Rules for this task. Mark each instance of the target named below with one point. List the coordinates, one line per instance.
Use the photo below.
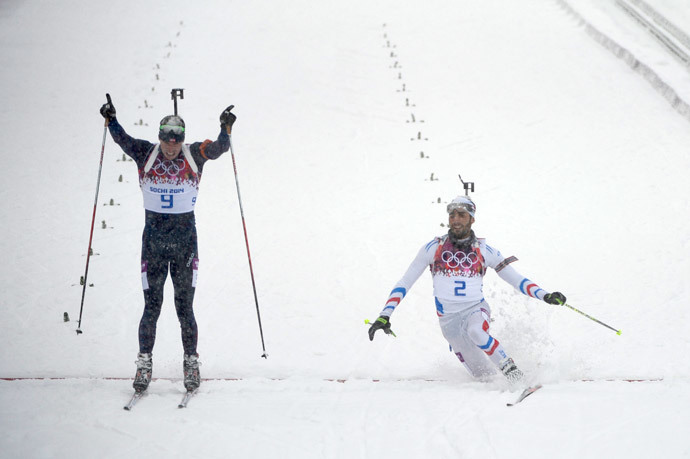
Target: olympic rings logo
(459, 259)
(168, 167)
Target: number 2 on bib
(460, 287)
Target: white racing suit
(464, 314)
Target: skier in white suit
(458, 262)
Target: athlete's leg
(154, 271)
(477, 328)
(474, 360)
(183, 271)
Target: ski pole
(93, 219)
(618, 332)
(246, 240)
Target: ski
(525, 393)
(133, 401)
(187, 396)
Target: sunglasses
(460, 207)
(168, 133)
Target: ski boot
(144, 369)
(510, 370)
(190, 367)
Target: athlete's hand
(555, 298)
(382, 323)
(227, 118)
(108, 111)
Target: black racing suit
(169, 241)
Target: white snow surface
(345, 110)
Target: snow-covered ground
(345, 110)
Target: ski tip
(525, 393)
(187, 396)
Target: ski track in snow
(354, 120)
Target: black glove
(108, 111)
(227, 117)
(382, 323)
(555, 298)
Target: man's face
(170, 149)
(460, 223)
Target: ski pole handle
(390, 331)
(618, 332)
(110, 102)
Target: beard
(462, 232)
(462, 238)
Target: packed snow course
(354, 121)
